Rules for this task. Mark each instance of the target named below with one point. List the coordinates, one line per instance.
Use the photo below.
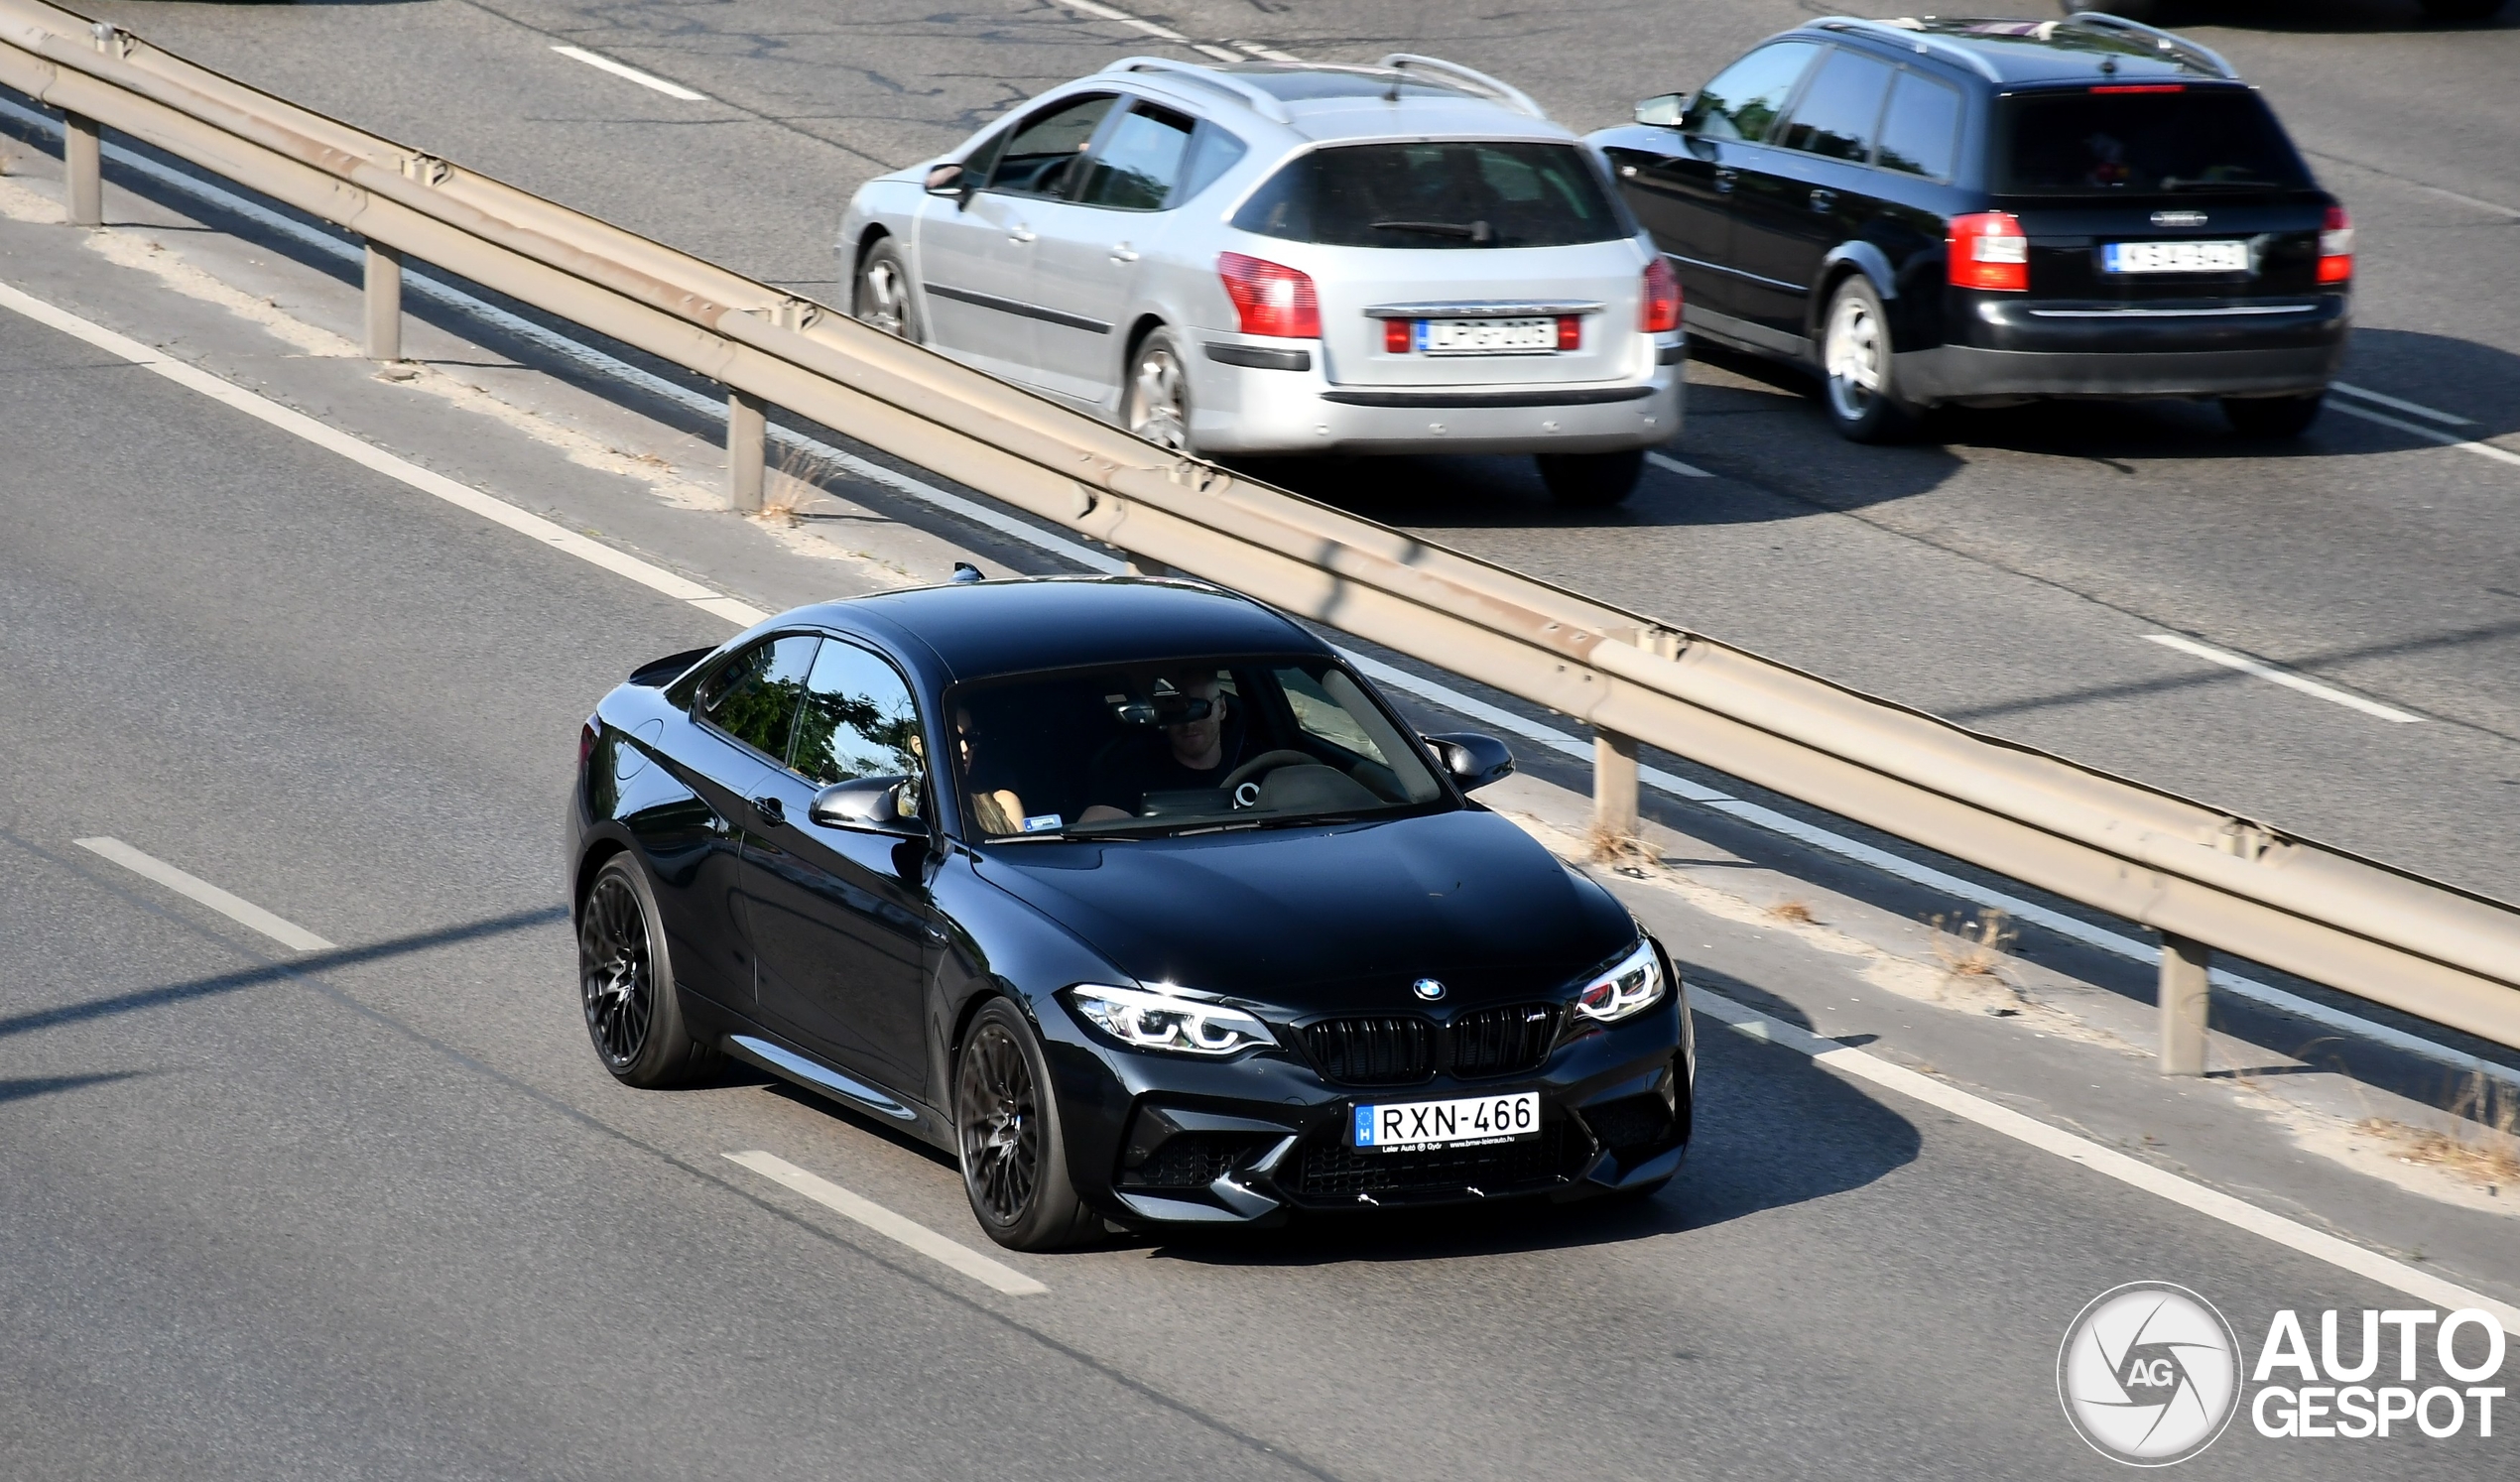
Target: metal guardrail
(2202, 877)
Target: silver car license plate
(2176, 257)
(1486, 336)
(1468, 1122)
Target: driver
(1194, 754)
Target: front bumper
(1156, 1140)
(2011, 347)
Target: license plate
(1486, 336)
(2175, 257)
(1470, 1122)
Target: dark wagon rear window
(1441, 194)
(2145, 143)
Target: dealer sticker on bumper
(1469, 1122)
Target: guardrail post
(384, 303)
(746, 430)
(83, 169)
(2184, 999)
(1614, 789)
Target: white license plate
(2176, 257)
(1470, 1122)
(1486, 336)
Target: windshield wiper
(1476, 232)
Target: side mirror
(948, 179)
(1662, 112)
(871, 805)
(1473, 760)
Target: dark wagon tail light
(1659, 313)
(1270, 299)
(2336, 247)
(1987, 250)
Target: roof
(1023, 624)
(1405, 97)
(2079, 49)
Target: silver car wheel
(1159, 404)
(1853, 354)
(883, 298)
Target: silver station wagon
(1262, 259)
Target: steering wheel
(1268, 761)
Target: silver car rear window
(1515, 194)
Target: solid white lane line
(1898, 866)
(624, 70)
(192, 887)
(368, 455)
(2432, 434)
(1670, 464)
(2412, 408)
(2285, 678)
(892, 1226)
(2106, 1160)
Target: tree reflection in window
(858, 719)
(754, 698)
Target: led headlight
(1144, 1019)
(1631, 986)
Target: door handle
(1823, 201)
(1724, 179)
(772, 810)
(934, 931)
(1019, 232)
(1123, 253)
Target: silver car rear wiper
(1478, 232)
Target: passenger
(1196, 753)
(994, 809)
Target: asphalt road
(375, 1211)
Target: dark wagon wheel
(1014, 1164)
(625, 983)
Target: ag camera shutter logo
(2149, 1374)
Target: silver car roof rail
(1259, 99)
(1912, 38)
(2165, 41)
(1468, 79)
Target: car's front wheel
(1156, 405)
(1590, 481)
(882, 300)
(2272, 415)
(1855, 356)
(625, 983)
(1007, 1130)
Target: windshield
(1180, 747)
(1501, 195)
(2146, 143)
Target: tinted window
(857, 720)
(2145, 143)
(1745, 97)
(1042, 148)
(753, 697)
(1921, 132)
(1508, 195)
(1839, 109)
(1212, 153)
(1140, 162)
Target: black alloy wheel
(2272, 415)
(1590, 481)
(634, 1014)
(1014, 1165)
(1855, 357)
(882, 300)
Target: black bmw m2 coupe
(1132, 895)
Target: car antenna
(964, 572)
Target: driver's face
(1195, 741)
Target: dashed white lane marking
(884, 1222)
(2104, 1160)
(625, 69)
(2285, 678)
(1167, 32)
(2072, 928)
(2430, 435)
(2412, 408)
(192, 887)
(1670, 464)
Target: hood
(1341, 916)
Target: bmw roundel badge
(1428, 989)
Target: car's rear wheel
(1590, 481)
(625, 983)
(882, 299)
(1007, 1129)
(1157, 406)
(1855, 357)
(2272, 415)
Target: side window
(858, 719)
(1921, 132)
(753, 696)
(1841, 108)
(1042, 148)
(1745, 97)
(1212, 152)
(1140, 164)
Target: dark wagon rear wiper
(1478, 232)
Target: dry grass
(1793, 912)
(791, 484)
(1624, 853)
(2481, 1142)
(1973, 954)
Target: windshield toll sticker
(1044, 823)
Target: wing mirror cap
(1473, 760)
(871, 805)
(1664, 110)
(948, 178)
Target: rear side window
(1451, 194)
(1841, 108)
(2103, 142)
(753, 696)
(1212, 152)
(1920, 133)
(1042, 149)
(1140, 162)
(1745, 99)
